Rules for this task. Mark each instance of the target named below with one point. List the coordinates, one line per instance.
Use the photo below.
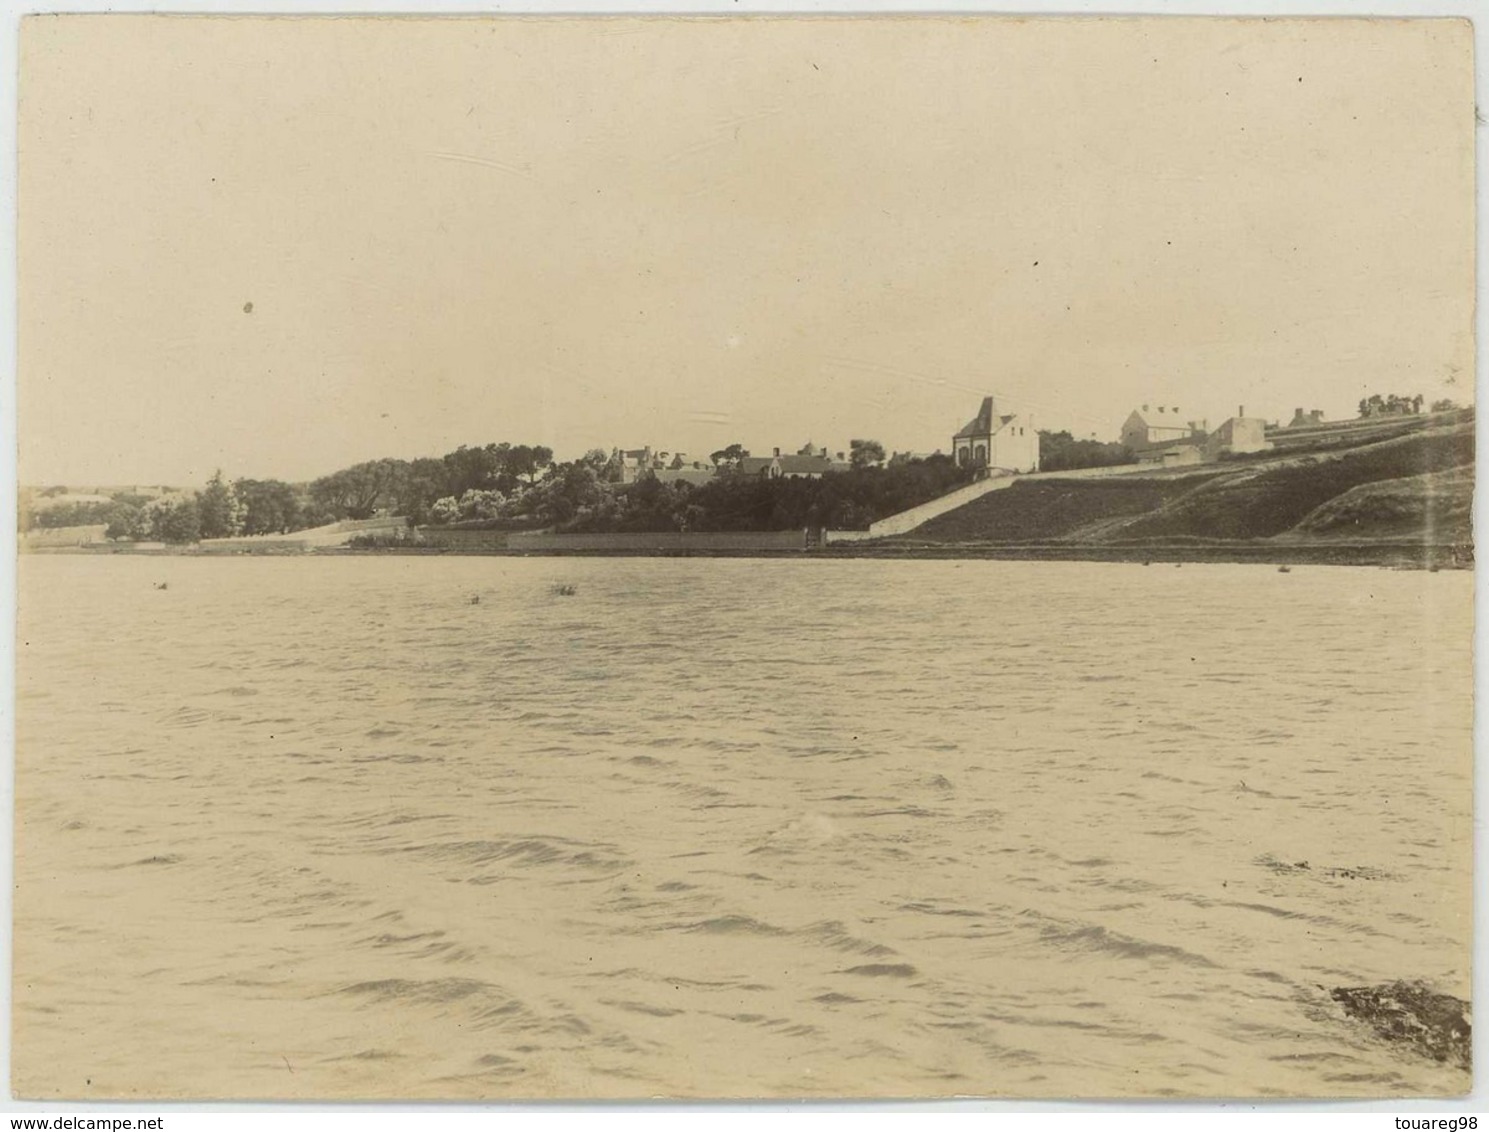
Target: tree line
(850, 499)
(1400, 404)
(522, 485)
(1060, 451)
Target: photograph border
(1475, 10)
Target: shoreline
(1395, 555)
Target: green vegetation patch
(1437, 507)
(1262, 503)
(1045, 510)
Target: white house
(1238, 435)
(1157, 424)
(997, 440)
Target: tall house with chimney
(1006, 441)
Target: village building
(991, 439)
(898, 458)
(1157, 425)
(1237, 436)
(634, 462)
(1311, 419)
(777, 466)
(839, 462)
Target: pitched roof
(981, 424)
(789, 465)
(799, 464)
(1161, 415)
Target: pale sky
(598, 232)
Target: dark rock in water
(1434, 1025)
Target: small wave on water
(1096, 938)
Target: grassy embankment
(1402, 500)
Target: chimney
(777, 451)
(1240, 410)
(824, 453)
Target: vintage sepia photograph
(744, 557)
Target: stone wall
(664, 542)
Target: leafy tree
(174, 520)
(217, 509)
(446, 510)
(568, 491)
(82, 514)
(467, 468)
(848, 499)
(1396, 404)
(127, 521)
(267, 507)
(426, 481)
(526, 461)
(727, 459)
(598, 459)
(1446, 405)
(477, 504)
(358, 491)
(865, 453)
(1059, 451)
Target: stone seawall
(662, 542)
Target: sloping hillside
(1415, 487)
(1042, 510)
(1436, 507)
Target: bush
(382, 540)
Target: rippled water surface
(324, 827)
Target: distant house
(908, 455)
(1238, 435)
(1311, 419)
(1157, 424)
(997, 440)
(776, 466)
(634, 462)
